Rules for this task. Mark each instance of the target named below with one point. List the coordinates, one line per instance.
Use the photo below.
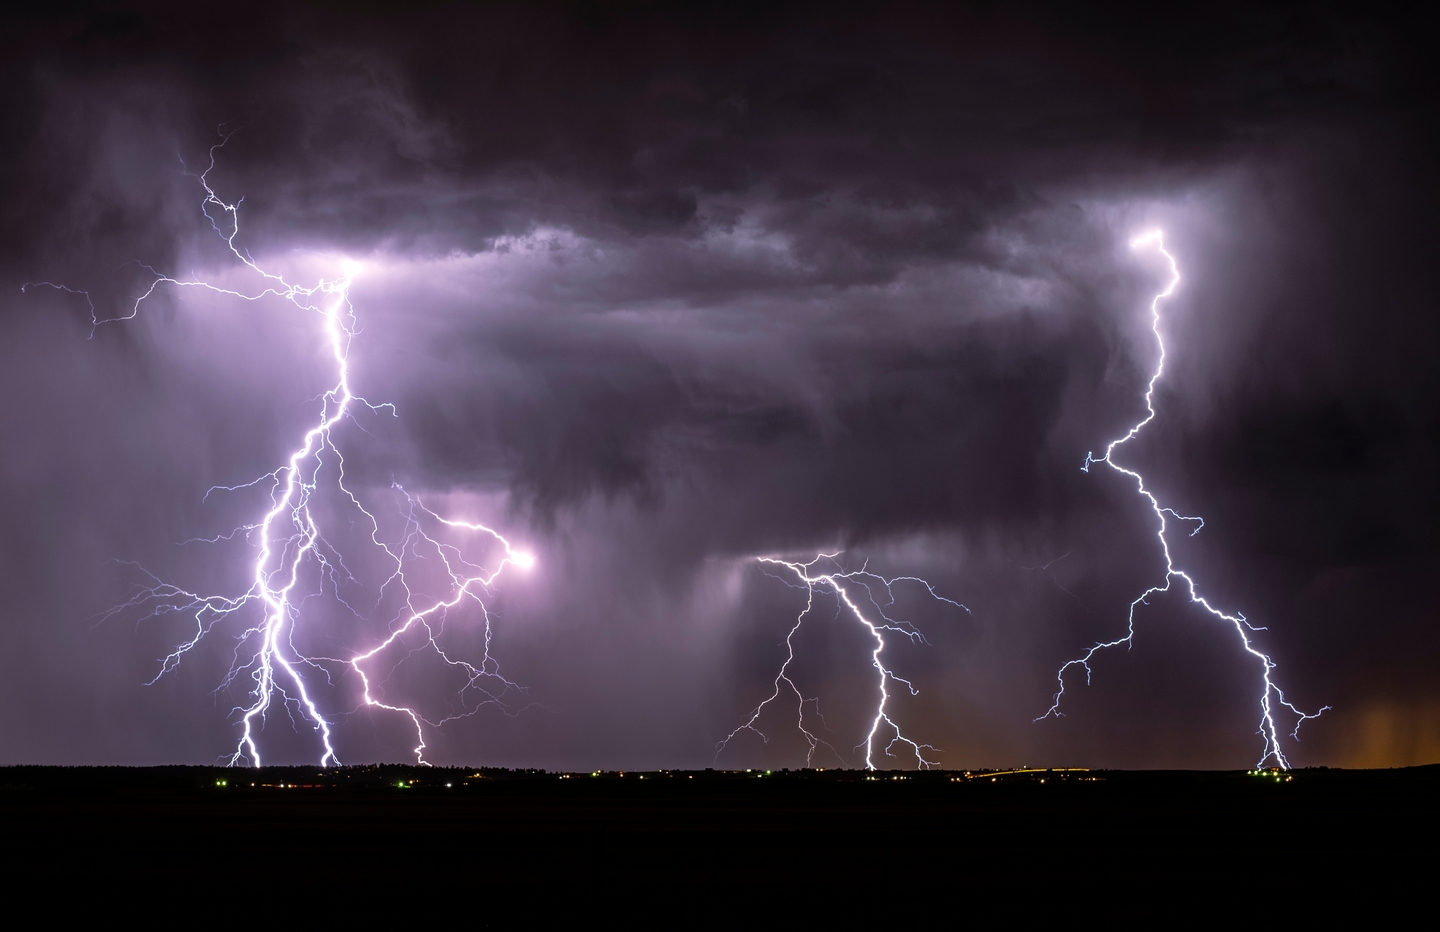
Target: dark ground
(733, 849)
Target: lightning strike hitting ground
(291, 549)
(1271, 694)
(836, 583)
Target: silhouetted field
(751, 845)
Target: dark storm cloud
(691, 285)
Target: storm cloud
(659, 290)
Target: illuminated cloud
(654, 295)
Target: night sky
(658, 290)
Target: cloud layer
(659, 292)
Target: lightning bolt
(1271, 696)
(289, 544)
(840, 582)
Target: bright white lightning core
(294, 562)
(841, 583)
(1271, 695)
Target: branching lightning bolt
(289, 542)
(838, 582)
(1271, 695)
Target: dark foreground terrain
(712, 847)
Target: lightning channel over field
(274, 663)
(845, 585)
(1272, 698)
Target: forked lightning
(839, 582)
(290, 541)
(1271, 695)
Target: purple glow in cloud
(656, 291)
(292, 550)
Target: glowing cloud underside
(294, 561)
(1271, 695)
(845, 585)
